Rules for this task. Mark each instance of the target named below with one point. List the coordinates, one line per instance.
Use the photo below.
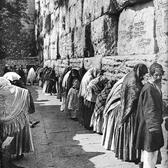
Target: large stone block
(79, 42)
(46, 46)
(72, 2)
(117, 66)
(136, 30)
(65, 46)
(62, 21)
(104, 35)
(161, 21)
(92, 10)
(75, 15)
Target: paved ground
(63, 143)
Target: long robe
(110, 115)
(130, 91)
(89, 75)
(97, 116)
(149, 119)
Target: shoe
(34, 124)
(140, 164)
(18, 157)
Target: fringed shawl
(89, 75)
(114, 96)
(95, 87)
(14, 115)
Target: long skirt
(125, 147)
(22, 142)
(87, 114)
(109, 128)
(51, 87)
(45, 86)
(81, 110)
(97, 123)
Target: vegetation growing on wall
(15, 42)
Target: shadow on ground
(59, 141)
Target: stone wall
(118, 33)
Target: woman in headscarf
(130, 91)
(31, 77)
(110, 114)
(89, 75)
(60, 80)
(97, 116)
(51, 86)
(94, 87)
(63, 92)
(14, 118)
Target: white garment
(89, 75)
(164, 150)
(31, 77)
(149, 159)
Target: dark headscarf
(140, 70)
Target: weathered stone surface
(65, 46)
(104, 35)
(136, 30)
(46, 47)
(18, 62)
(75, 15)
(161, 19)
(79, 42)
(72, 2)
(117, 66)
(51, 6)
(62, 21)
(92, 10)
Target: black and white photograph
(83, 83)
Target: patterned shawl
(14, 107)
(101, 98)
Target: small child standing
(72, 99)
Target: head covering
(140, 70)
(155, 66)
(4, 82)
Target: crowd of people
(130, 113)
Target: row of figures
(129, 113)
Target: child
(72, 99)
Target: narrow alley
(63, 143)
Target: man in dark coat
(149, 137)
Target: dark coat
(148, 134)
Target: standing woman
(89, 75)
(130, 90)
(14, 118)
